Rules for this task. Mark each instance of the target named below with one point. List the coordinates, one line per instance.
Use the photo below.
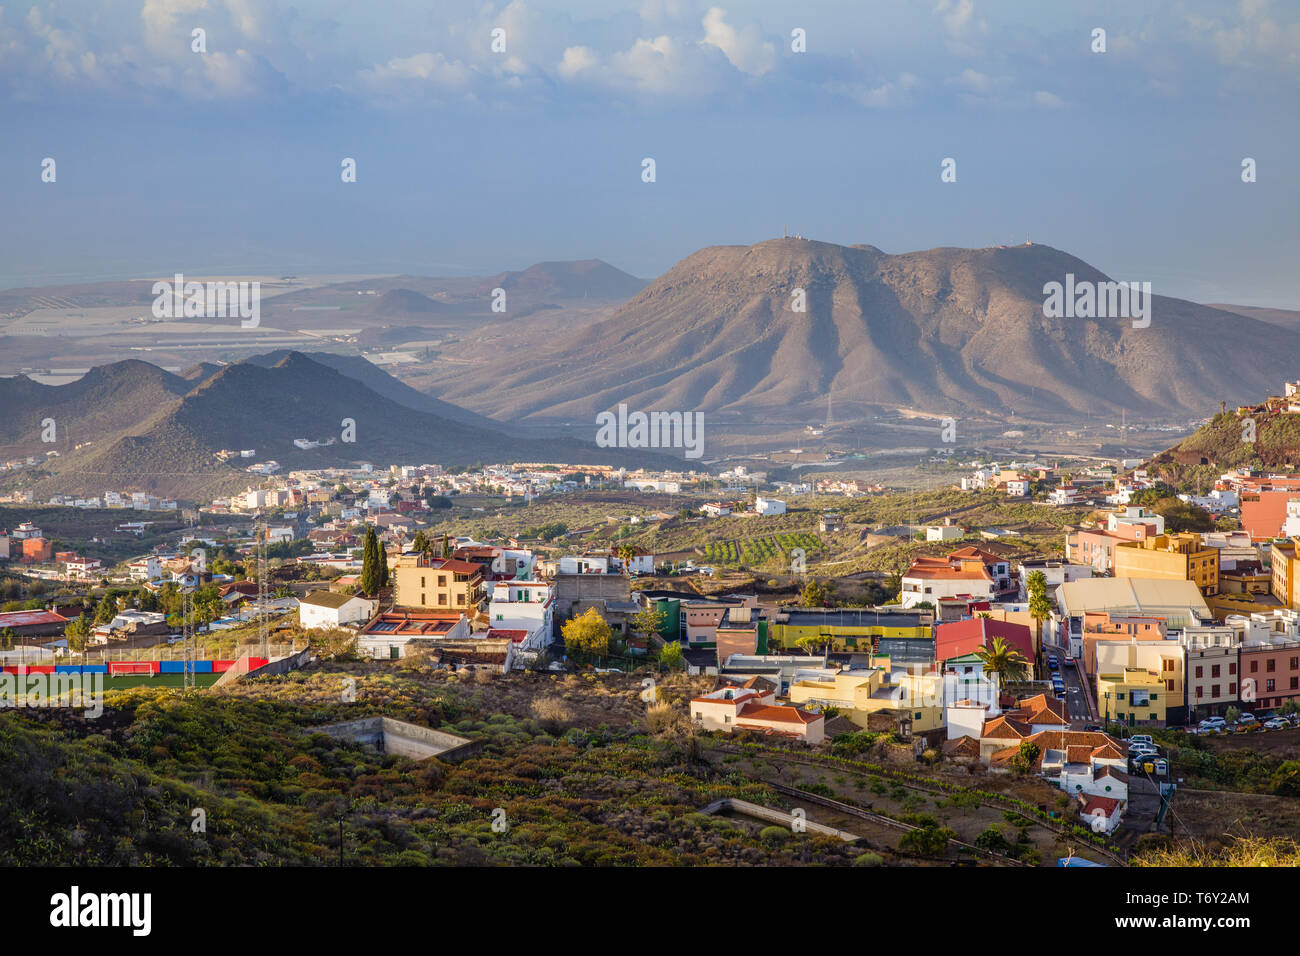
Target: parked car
(1277, 723)
(1248, 723)
(1052, 665)
(1094, 728)
(1142, 739)
(1243, 716)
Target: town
(1078, 639)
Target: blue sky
(471, 161)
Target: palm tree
(626, 553)
(1005, 661)
(1040, 608)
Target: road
(1077, 702)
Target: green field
(157, 680)
(752, 551)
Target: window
(1232, 668)
(1199, 670)
(421, 580)
(1232, 689)
(442, 580)
(1270, 684)
(1295, 662)
(1270, 665)
(1254, 667)
(442, 598)
(1295, 683)
(423, 602)
(1200, 691)
(460, 599)
(1214, 671)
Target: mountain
(170, 447)
(581, 279)
(380, 382)
(1289, 318)
(949, 331)
(107, 399)
(403, 301)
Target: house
(755, 709)
(331, 609)
(393, 635)
(716, 509)
(1102, 814)
(830, 523)
(930, 579)
(768, 506)
(877, 696)
(524, 606)
(959, 638)
(446, 584)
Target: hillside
(948, 331)
(582, 279)
(170, 447)
(1218, 445)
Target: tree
(587, 634)
(1026, 757)
(626, 553)
(1002, 659)
(671, 657)
(816, 594)
(370, 581)
(648, 621)
(1040, 608)
(421, 542)
(77, 631)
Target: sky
(471, 160)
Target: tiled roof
(780, 713)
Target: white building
(524, 605)
(769, 506)
(326, 609)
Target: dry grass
(1241, 851)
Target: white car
(1277, 723)
(1142, 739)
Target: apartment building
(1169, 557)
(1284, 560)
(1158, 666)
(1212, 670)
(446, 584)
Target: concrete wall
(406, 740)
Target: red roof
(30, 618)
(507, 633)
(959, 638)
(780, 713)
(1107, 805)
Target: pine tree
(369, 582)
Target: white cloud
(885, 96)
(746, 49)
(1047, 100)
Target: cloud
(1047, 100)
(885, 96)
(745, 49)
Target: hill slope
(170, 449)
(950, 331)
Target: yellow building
(848, 629)
(1169, 557)
(1166, 661)
(859, 694)
(446, 584)
(1285, 560)
(1133, 696)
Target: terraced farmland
(755, 551)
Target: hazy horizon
(472, 162)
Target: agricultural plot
(756, 551)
